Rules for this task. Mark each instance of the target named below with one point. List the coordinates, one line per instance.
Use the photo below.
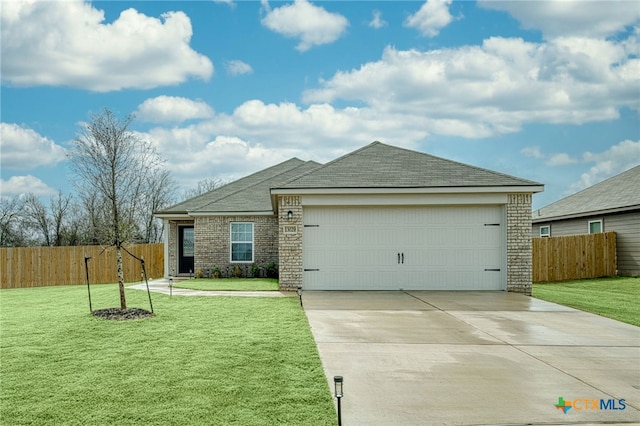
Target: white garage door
(410, 248)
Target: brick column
(290, 242)
(519, 261)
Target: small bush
(255, 271)
(236, 271)
(272, 270)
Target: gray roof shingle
(618, 192)
(383, 166)
(250, 193)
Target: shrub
(236, 271)
(272, 270)
(216, 272)
(255, 271)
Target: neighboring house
(379, 218)
(611, 205)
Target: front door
(185, 249)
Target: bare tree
(204, 185)
(36, 217)
(112, 168)
(160, 193)
(59, 208)
(11, 232)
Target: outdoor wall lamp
(337, 382)
(299, 291)
(289, 215)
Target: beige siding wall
(625, 225)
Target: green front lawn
(230, 284)
(199, 361)
(617, 298)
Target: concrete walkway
(473, 358)
(162, 286)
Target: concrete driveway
(423, 358)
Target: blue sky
(548, 91)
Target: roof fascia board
(172, 215)
(405, 199)
(232, 213)
(403, 190)
(542, 219)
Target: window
(595, 226)
(545, 231)
(242, 242)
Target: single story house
(378, 218)
(611, 205)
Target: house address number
(290, 229)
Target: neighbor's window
(242, 242)
(595, 226)
(545, 231)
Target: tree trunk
(123, 301)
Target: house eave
(162, 215)
(407, 190)
(233, 213)
(543, 219)
(275, 192)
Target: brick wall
(173, 245)
(212, 236)
(290, 242)
(519, 263)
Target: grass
(230, 284)
(198, 361)
(617, 298)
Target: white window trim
(595, 221)
(253, 246)
(548, 233)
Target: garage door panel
(443, 247)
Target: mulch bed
(122, 314)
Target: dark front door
(185, 249)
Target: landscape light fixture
(337, 382)
(289, 215)
(170, 287)
(299, 291)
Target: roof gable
(209, 198)
(383, 166)
(619, 192)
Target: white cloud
(561, 159)
(495, 88)
(237, 67)
(377, 22)
(163, 109)
(23, 148)
(556, 18)
(611, 162)
(532, 151)
(431, 18)
(19, 185)
(313, 25)
(67, 43)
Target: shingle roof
(382, 166)
(620, 192)
(250, 193)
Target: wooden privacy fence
(574, 257)
(48, 266)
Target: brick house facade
(373, 181)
